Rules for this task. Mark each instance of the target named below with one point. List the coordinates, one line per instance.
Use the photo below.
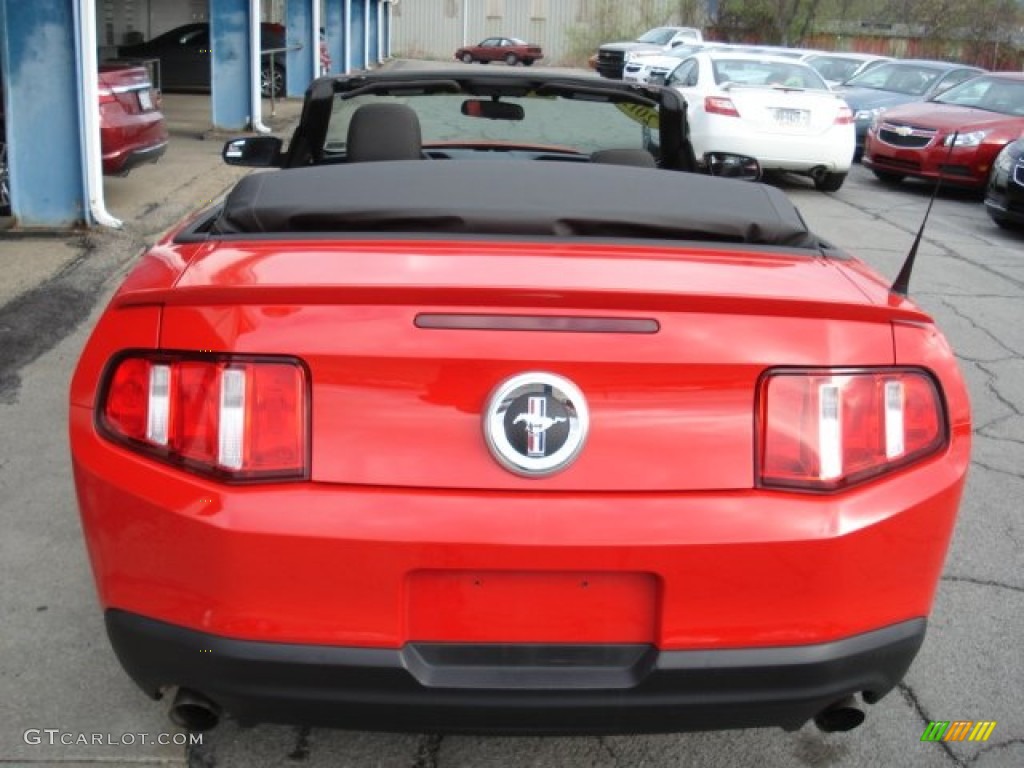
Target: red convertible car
(510, 50)
(380, 442)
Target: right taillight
(234, 417)
(827, 429)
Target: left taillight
(828, 429)
(233, 417)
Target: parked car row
(815, 113)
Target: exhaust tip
(841, 716)
(193, 711)
(818, 172)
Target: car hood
(659, 61)
(632, 45)
(949, 116)
(870, 98)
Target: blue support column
(334, 23)
(229, 36)
(357, 35)
(373, 26)
(385, 27)
(44, 144)
(374, 53)
(299, 63)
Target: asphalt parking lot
(59, 680)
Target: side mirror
(254, 151)
(733, 166)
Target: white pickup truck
(611, 56)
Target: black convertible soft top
(512, 197)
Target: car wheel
(511, 59)
(829, 182)
(467, 58)
(889, 178)
(1001, 221)
(272, 79)
(527, 62)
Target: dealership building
(50, 51)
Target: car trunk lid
(128, 85)
(407, 341)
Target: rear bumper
(780, 152)
(122, 161)
(514, 688)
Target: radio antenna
(901, 285)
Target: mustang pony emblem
(538, 423)
(535, 423)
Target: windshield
(659, 36)
(1005, 97)
(911, 79)
(835, 68)
(549, 123)
(765, 72)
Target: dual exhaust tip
(195, 712)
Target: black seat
(384, 132)
(640, 158)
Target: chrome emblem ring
(536, 423)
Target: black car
(1004, 196)
(184, 54)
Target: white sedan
(776, 110)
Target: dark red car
(956, 135)
(380, 442)
(132, 128)
(510, 50)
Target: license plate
(145, 100)
(792, 117)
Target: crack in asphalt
(911, 698)
(978, 463)
(952, 577)
(1013, 353)
(989, 748)
(428, 752)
